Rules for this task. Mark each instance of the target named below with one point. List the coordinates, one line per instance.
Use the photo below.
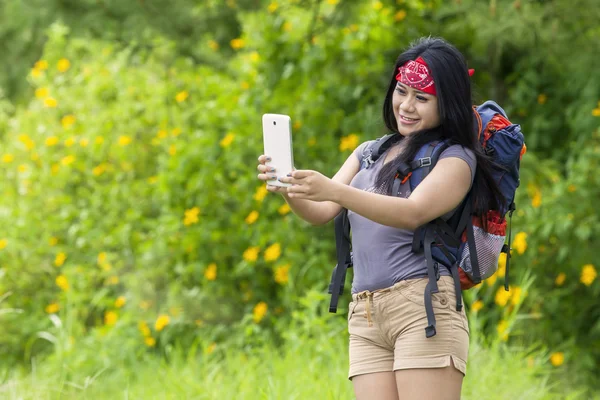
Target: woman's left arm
(440, 192)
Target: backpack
(464, 244)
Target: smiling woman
(415, 110)
(428, 102)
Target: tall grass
(313, 369)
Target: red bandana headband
(416, 75)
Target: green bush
(131, 208)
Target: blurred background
(139, 255)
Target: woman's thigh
(378, 385)
(429, 383)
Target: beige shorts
(387, 329)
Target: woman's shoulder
(460, 151)
(464, 153)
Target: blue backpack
(464, 244)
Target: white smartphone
(277, 139)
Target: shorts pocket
(351, 308)
(416, 294)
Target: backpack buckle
(424, 162)
(368, 160)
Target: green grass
(314, 369)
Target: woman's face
(414, 110)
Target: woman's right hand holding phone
(267, 173)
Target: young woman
(428, 98)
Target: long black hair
(453, 90)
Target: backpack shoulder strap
(343, 257)
(376, 148)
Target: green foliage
(131, 212)
(303, 367)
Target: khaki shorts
(387, 329)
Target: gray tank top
(382, 254)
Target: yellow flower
(68, 160)
(211, 348)
(67, 121)
(502, 264)
(245, 85)
(3, 243)
(23, 168)
(124, 140)
(8, 158)
(542, 98)
(181, 96)
(476, 306)
(54, 169)
(515, 296)
(110, 318)
(284, 209)
(99, 170)
(152, 180)
(282, 274)
(62, 282)
(502, 297)
(161, 322)
(84, 142)
(520, 242)
(560, 279)
(51, 141)
(213, 45)
(588, 274)
(502, 330)
(273, 252)
(536, 201)
(41, 65)
(378, 5)
(400, 15)
(227, 140)
(41, 93)
(251, 253)
(161, 134)
(50, 102)
(144, 329)
(120, 301)
(237, 44)
(99, 139)
(261, 192)
(333, 2)
(596, 112)
(252, 217)
(176, 132)
(191, 216)
(349, 142)
(112, 280)
(273, 7)
(492, 279)
(172, 150)
(211, 272)
(572, 188)
(101, 258)
(150, 341)
(63, 65)
(69, 142)
(254, 56)
(52, 308)
(60, 259)
(259, 312)
(26, 140)
(557, 359)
